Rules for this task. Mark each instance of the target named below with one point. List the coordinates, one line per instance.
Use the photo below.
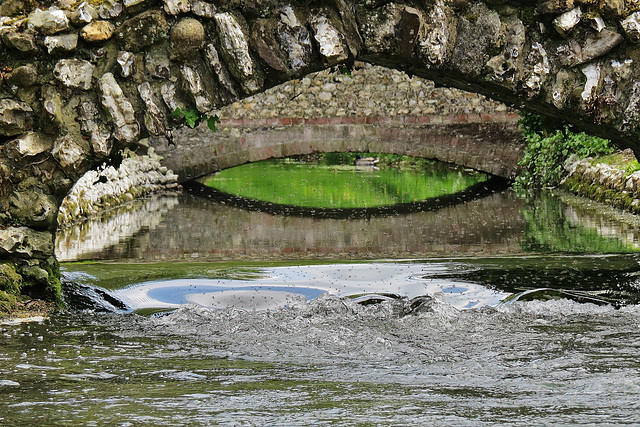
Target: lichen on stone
(475, 40)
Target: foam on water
(328, 326)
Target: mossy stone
(8, 302)
(10, 280)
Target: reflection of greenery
(290, 182)
(548, 230)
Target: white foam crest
(555, 308)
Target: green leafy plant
(192, 118)
(632, 167)
(345, 70)
(548, 146)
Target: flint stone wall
(605, 183)
(368, 91)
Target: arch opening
(121, 85)
(345, 185)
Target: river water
(502, 310)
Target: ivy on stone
(192, 118)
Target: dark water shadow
(477, 191)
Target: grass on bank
(548, 146)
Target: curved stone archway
(81, 83)
(489, 143)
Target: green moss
(602, 194)
(527, 15)
(632, 167)
(10, 280)
(8, 302)
(53, 290)
(619, 159)
(473, 18)
(49, 290)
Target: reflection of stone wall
(202, 229)
(626, 232)
(102, 189)
(100, 234)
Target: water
(330, 186)
(502, 310)
(330, 361)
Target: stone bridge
(81, 82)
(485, 142)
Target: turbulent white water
(328, 361)
(529, 363)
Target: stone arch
(466, 140)
(81, 83)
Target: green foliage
(211, 122)
(534, 123)
(345, 70)
(549, 146)
(193, 117)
